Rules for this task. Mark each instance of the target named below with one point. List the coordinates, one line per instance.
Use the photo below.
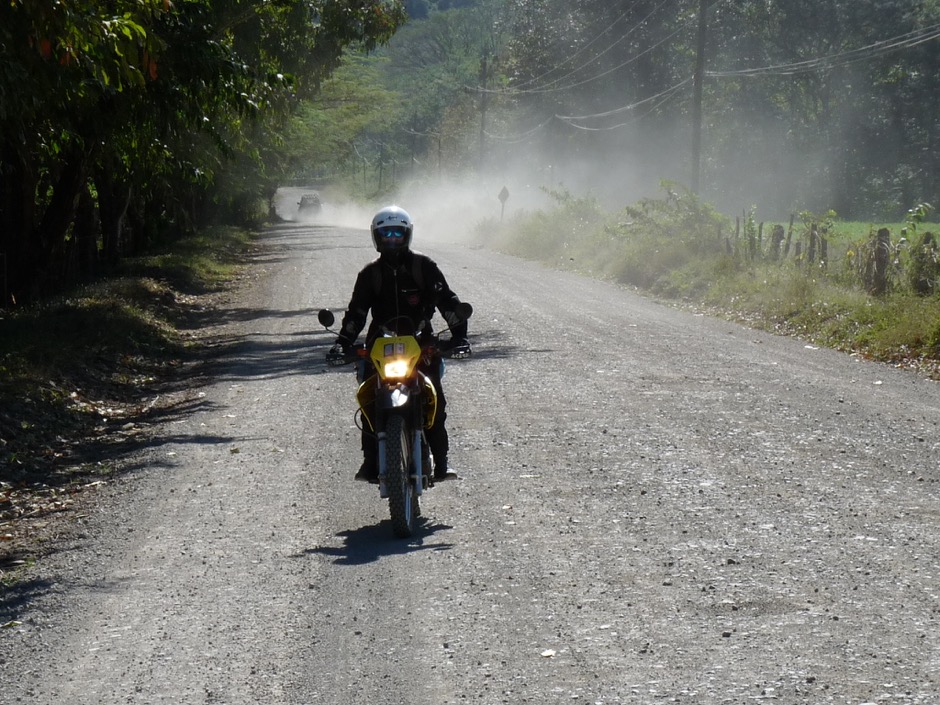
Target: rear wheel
(402, 497)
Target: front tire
(402, 497)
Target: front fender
(373, 399)
(393, 398)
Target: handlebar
(460, 351)
(457, 351)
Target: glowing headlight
(396, 368)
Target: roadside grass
(78, 369)
(195, 264)
(679, 250)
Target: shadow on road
(371, 543)
(13, 597)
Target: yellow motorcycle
(398, 403)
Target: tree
(133, 109)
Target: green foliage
(148, 116)
(915, 216)
(679, 248)
(403, 112)
(680, 213)
(553, 235)
(328, 136)
(924, 269)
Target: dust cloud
(449, 208)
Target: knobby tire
(402, 499)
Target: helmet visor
(392, 236)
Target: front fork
(417, 463)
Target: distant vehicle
(309, 204)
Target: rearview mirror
(326, 317)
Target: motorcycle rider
(408, 284)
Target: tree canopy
(123, 120)
(120, 119)
(806, 104)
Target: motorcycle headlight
(396, 369)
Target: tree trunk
(87, 228)
(47, 248)
(113, 200)
(17, 221)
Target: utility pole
(483, 96)
(414, 135)
(697, 98)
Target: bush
(857, 297)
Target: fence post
(881, 256)
(776, 239)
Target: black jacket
(413, 289)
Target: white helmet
(391, 229)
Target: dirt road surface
(654, 507)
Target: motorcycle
(399, 403)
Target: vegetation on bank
(834, 283)
(83, 375)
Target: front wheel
(402, 496)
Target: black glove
(339, 354)
(458, 349)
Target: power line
(522, 137)
(584, 48)
(603, 74)
(572, 120)
(546, 88)
(902, 41)
(892, 44)
(632, 106)
(665, 99)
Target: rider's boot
(369, 470)
(443, 470)
(439, 443)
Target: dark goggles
(391, 232)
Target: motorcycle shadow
(368, 544)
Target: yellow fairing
(366, 398)
(395, 357)
(430, 401)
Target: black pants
(436, 435)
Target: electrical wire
(892, 44)
(902, 41)
(627, 108)
(603, 74)
(580, 51)
(666, 97)
(516, 139)
(547, 87)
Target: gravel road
(654, 507)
